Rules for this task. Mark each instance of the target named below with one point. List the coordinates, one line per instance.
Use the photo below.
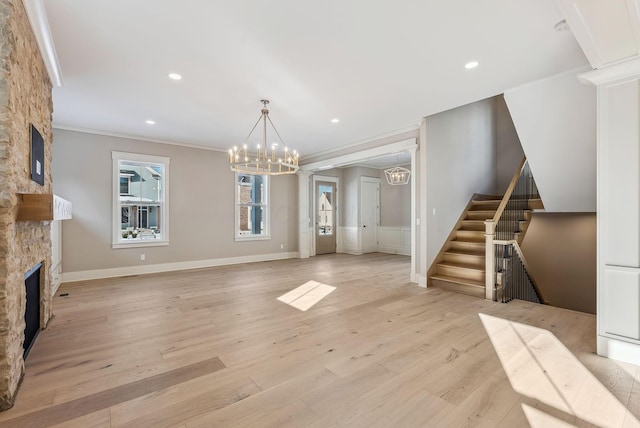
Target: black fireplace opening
(32, 310)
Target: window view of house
(140, 199)
(325, 222)
(251, 215)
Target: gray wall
(395, 203)
(201, 205)
(461, 160)
(561, 252)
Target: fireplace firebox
(32, 310)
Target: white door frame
(410, 145)
(365, 179)
(312, 228)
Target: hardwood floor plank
(101, 400)
(214, 347)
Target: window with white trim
(252, 207)
(140, 200)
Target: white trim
(40, 25)
(352, 158)
(627, 70)
(116, 238)
(266, 210)
(422, 280)
(312, 228)
(304, 240)
(618, 350)
(141, 243)
(136, 137)
(414, 227)
(87, 275)
(408, 128)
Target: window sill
(252, 238)
(143, 243)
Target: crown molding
(623, 71)
(40, 25)
(136, 137)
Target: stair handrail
(509, 191)
(490, 231)
(516, 246)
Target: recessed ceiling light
(335, 120)
(150, 122)
(471, 64)
(175, 76)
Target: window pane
(252, 211)
(141, 197)
(325, 211)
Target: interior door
(370, 214)
(325, 217)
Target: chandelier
(273, 159)
(397, 176)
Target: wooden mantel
(43, 207)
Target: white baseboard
(86, 275)
(618, 350)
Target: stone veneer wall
(25, 97)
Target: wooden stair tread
(454, 279)
(462, 265)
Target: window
(140, 200)
(252, 213)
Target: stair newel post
(489, 235)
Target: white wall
(461, 160)
(556, 122)
(201, 205)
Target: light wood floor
(214, 348)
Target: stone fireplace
(25, 99)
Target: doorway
(326, 205)
(370, 213)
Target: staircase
(460, 266)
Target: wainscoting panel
(351, 242)
(395, 240)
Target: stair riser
(473, 246)
(485, 206)
(472, 225)
(480, 215)
(477, 275)
(459, 288)
(474, 235)
(465, 258)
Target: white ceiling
(377, 65)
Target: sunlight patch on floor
(307, 295)
(540, 419)
(541, 367)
